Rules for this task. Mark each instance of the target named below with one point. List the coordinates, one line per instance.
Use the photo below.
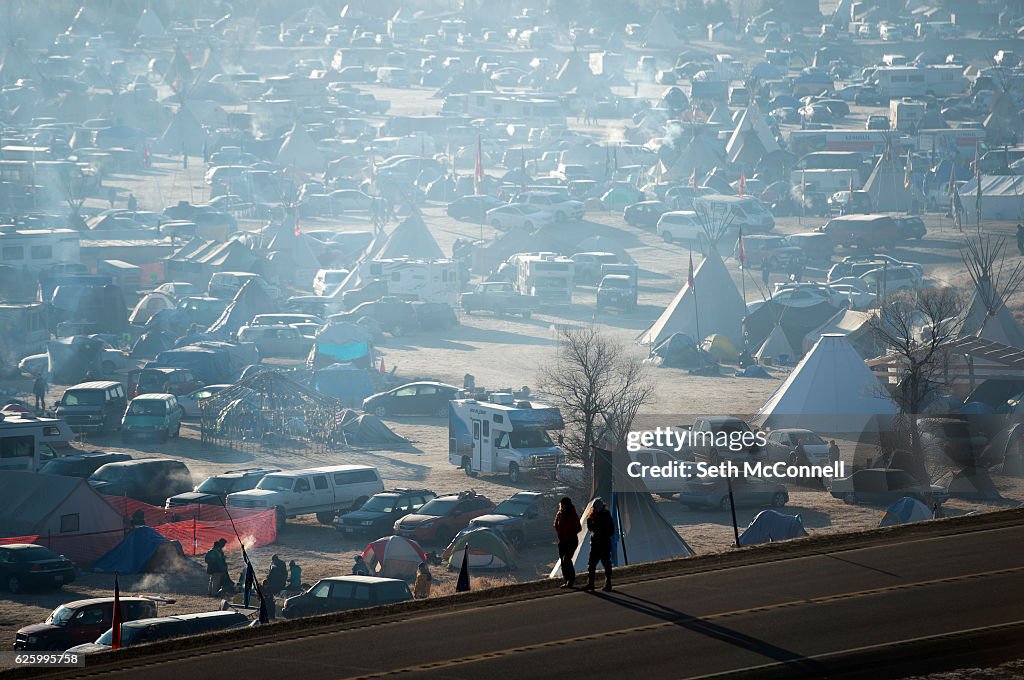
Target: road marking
(484, 656)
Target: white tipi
(299, 151)
(831, 391)
(713, 296)
(776, 345)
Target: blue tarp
(131, 555)
(770, 526)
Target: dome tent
(488, 550)
(144, 550)
(905, 511)
(770, 526)
(394, 557)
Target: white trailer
(26, 442)
(546, 276)
(940, 80)
(503, 436)
(423, 280)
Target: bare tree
(995, 280)
(599, 388)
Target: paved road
(792, 614)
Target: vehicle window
(320, 482)
(405, 392)
(487, 428)
(476, 429)
(320, 590)
(275, 483)
(502, 441)
(645, 458)
(341, 591)
(90, 616)
(301, 485)
(83, 398)
(427, 389)
(361, 592)
(17, 447)
(379, 504)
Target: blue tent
(144, 550)
(905, 511)
(772, 525)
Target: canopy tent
(770, 526)
(488, 550)
(889, 188)
(713, 297)
(411, 238)
(830, 391)
(299, 151)
(394, 557)
(905, 511)
(144, 550)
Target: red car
(443, 517)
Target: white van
(325, 492)
(25, 440)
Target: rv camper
(503, 436)
(26, 442)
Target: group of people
(602, 531)
(281, 577)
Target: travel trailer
(26, 442)
(548, 276)
(503, 436)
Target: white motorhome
(423, 280)
(906, 113)
(503, 436)
(940, 80)
(26, 442)
(738, 212)
(37, 249)
(546, 276)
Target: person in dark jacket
(217, 568)
(567, 528)
(360, 568)
(277, 577)
(602, 529)
(39, 392)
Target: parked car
(785, 446)
(516, 216)
(498, 297)
(523, 518)
(879, 486)
(849, 202)
(645, 214)
(472, 208)
(412, 399)
(189, 403)
(165, 381)
(708, 431)
(912, 227)
(682, 226)
(27, 565)
(431, 316)
(377, 516)
(877, 121)
(342, 593)
(151, 481)
(559, 204)
(152, 414)
(81, 464)
(286, 320)
(95, 406)
(277, 341)
(392, 314)
(713, 493)
(817, 247)
(776, 251)
(80, 622)
(443, 517)
(587, 266)
(142, 631)
(214, 490)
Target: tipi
(299, 151)
(183, 133)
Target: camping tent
(713, 296)
(770, 526)
(1006, 448)
(369, 430)
(905, 511)
(149, 24)
(831, 390)
(973, 483)
(776, 346)
(144, 550)
(394, 557)
(719, 348)
(854, 325)
(149, 305)
(487, 550)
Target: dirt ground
(499, 353)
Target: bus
(547, 276)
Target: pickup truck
(500, 298)
(523, 518)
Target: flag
(297, 231)
(693, 178)
(743, 184)
(906, 172)
(478, 172)
(689, 273)
(743, 254)
(115, 622)
(462, 585)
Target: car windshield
(60, 616)
(61, 467)
(514, 507)
(529, 439)
(34, 555)
(438, 507)
(151, 381)
(380, 504)
(217, 485)
(83, 398)
(147, 407)
(275, 483)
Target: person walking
(602, 529)
(277, 577)
(424, 580)
(39, 392)
(766, 273)
(217, 568)
(133, 203)
(567, 528)
(833, 451)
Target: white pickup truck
(325, 492)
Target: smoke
(248, 542)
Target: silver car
(713, 493)
(784, 446)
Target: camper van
(503, 436)
(26, 442)
(547, 276)
(738, 212)
(414, 280)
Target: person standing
(294, 576)
(766, 273)
(567, 528)
(424, 580)
(833, 451)
(133, 203)
(277, 577)
(360, 568)
(602, 529)
(39, 392)
(217, 568)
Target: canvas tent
(713, 296)
(411, 238)
(830, 391)
(183, 133)
(488, 550)
(145, 551)
(888, 187)
(905, 511)
(853, 324)
(751, 140)
(988, 317)
(394, 557)
(250, 300)
(770, 526)
(776, 347)
(298, 150)
(659, 33)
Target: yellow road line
(484, 656)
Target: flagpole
(693, 291)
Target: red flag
(478, 172)
(297, 232)
(115, 623)
(743, 184)
(743, 254)
(689, 274)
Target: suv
(707, 434)
(151, 481)
(912, 227)
(523, 518)
(392, 314)
(81, 464)
(377, 516)
(863, 231)
(775, 250)
(174, 381)
(154, 414)
(556, 203)
(682, 226)
(277, 341)
(79, 622)
(342, 593)
(443, 517)
(215, 489)
(93, 406)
